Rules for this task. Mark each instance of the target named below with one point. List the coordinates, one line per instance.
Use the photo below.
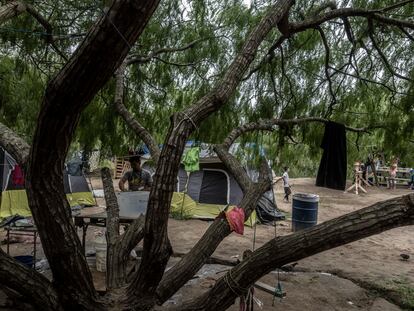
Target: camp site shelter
(205, 193)
(13, 195)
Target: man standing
(138, 179)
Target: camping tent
(213, 187)
(13, 196)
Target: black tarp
(266, 211)
(332, 169)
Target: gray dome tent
(13, 195)
(214, 184)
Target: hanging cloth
(17, 177)
(235, 218)
(332, 169)
(191, 159)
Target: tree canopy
(217, 71)
(353, 70)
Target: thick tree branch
(184, 270)
(15, 145)
(348, 12)
(115, 272)
(315, 21)
(157, 248)
(362, 223)
(269, 125)
(107, 43)
(29, 283)
(234, 74)
(139, 130)
(234, 166)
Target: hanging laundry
(17, 176)
(191, 159)
(332, 169)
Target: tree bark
(234, 74)
(157, 248)
(119, 247)
(362, 223)
(139, 130)
(16, 146)
(29, 283)
(65, 98)
(115, 268)
(180, 273)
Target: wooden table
(99, 220)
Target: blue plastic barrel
(304, 210)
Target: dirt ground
(365, 275)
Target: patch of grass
(404, 289)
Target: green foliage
(292, 84)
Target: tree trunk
(29, 283)
(157, 248)
(15, 145)
(65, 98)
(282, 250)
(115, 267)
(181, 272)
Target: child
(393, 175)
(286, 185)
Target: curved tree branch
(16, 146)
(157, 248)
(362, 223)
(180, 273)
(348, 12)
(234, 74)
(139, 130)
(269, 125)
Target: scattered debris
(404, 257)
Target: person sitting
(137, 178)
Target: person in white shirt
(286, 186)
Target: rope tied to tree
(234, 286)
